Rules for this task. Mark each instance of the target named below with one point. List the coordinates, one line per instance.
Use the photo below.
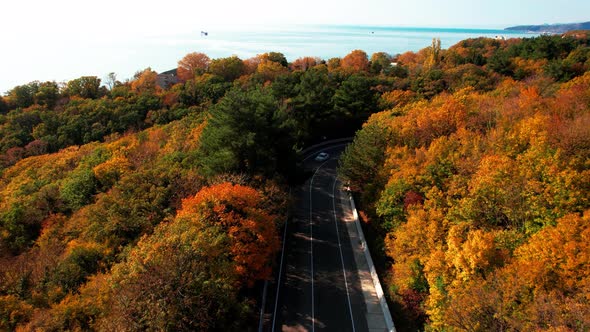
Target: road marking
(274, 315)
(311, 241)
(341, 255)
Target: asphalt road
(319, 288)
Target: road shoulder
(375, 315)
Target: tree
(191, 65)
(85, 87)
(269, 70)
(228, 68)
(3, 105)
(305, 63)
(363, 158)
(206, 88)
(23, 95)
(13, 311)
(356, 61)
(312, 102)
(355, 98)
(433, 55)
(246, 133)
(47, 95)
(78, 189)
(334, 64)
(380, 63)
(178, 279)
(237, 210)
(111, 80)
(275, 57)
(145, 81)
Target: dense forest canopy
(472, 169)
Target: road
(319, 288)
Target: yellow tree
(145, 81)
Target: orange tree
(237, 209)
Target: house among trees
(167, 79)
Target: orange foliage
(236, 209)
(145, 81)
(558, 257)
(355, 61)
(305, 63)
(411, 59)
(250, 65)
(191, 64)
(529, 67)
(472, 184)
(397, 98)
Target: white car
(322, 156)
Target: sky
(37, 36)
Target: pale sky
(36, 34)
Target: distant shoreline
(162, 52)
(550, 28)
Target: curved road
(318, 286)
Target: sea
(71, 59)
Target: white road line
(311, 242)
(341, 255)
(274, 315)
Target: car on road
(322, 156)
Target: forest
(139, 205)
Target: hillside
(140, 207)
(551, 28)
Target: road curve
(318, 287)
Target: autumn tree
(192, 64)
(355, 61)
(269, 70)
(305, 63)
(13, 311)
(433, 57)
(179, 278)
(334, 64)
(237, 210)
(145, 81)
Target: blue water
(69, 59)
(326, 41)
